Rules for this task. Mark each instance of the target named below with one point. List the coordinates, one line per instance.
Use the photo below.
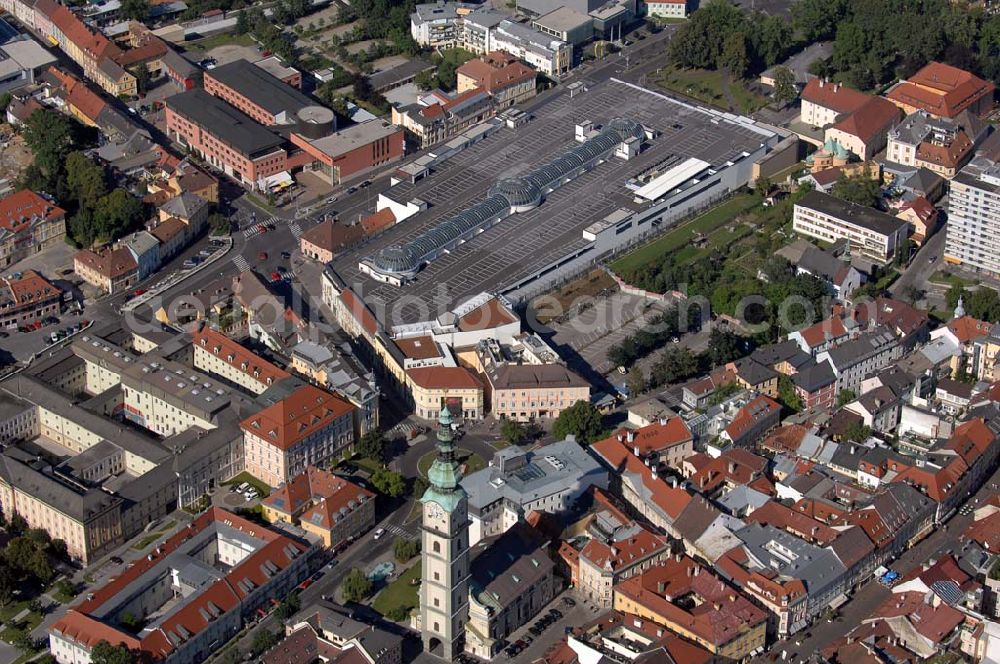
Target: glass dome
(626, 128)
(520, 193)
(397, 259)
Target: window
(437, 547)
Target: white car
(251, 494)
(378, 533)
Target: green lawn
(679, 237)
(473, 462)
(8, 611)
(706, 86)
(29, 623)
(371, 465)
(942, 277)
(399, 593)
(208, 43)
(262, 488)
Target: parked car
(378, 533)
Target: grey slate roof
(815, 377)
(225, 122)
(817, 568)
(75, 501)
(863, 347)
(184, 206)
(505, 567)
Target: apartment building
(306, 428)
(973, 230)
(941, 145)
(222, 357)
(871, 233)
(859, 358)
(823, 103)
(504, 77)
(29, 224)
(690, 600)
(168, 398)
(112, 270)
(324, 504)
(526, 392)
(26, 297)
(439, 24)
(427, 124)
(432, 387)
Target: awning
(838, 601)
(278, 181)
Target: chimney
(653, 469)
(697, 570)
(630, 435)
(621, 438)
(663, 421)
(822, 82)
(661, 586)
(677, 557)
(732, 466)
(836, 87)
(673, 482)
(635, 450)
(690, 570)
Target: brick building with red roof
(943, 91)
(29, 224)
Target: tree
(263, 641)
(35, 605)
(372, 445)
(734, 56)
(143, 77)
(404, 549)
(85, 180)
(512, 431)
(243, 22)
(28, 557)
(49, 135)
(857, 432)
(784, 85)
(787, 394)
(288, 607)
(137, 10)
(426, 80)
(219, 224)
(725, 346)
(635, 381)
(859, 188)
(388, 483)
(66, 588)
(17, 525)
(845, 397)
(357, 586)
(105, 653)
(582, 420)
(419, 486)
(5, 100)
(22, 641)
(676, 363)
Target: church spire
(444, 474)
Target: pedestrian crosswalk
(399, 531)
(295, 229)
(241, 263)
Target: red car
(139, 291)
(275, 277)
(305, 584)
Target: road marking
(241, 263)
(400, 532)
(296, 229)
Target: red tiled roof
(823, 332)
(734, 565)
(486, 316)
(874, 117)
(31, 287)
(932, 622)
(225, 348)
(18, 209)
(720, 613)
(109, 263)
(319, 495)
(657, 437)
(373, 223)
(496, 71)
(418, 348)
(622, 555)
(839, 98)
(333, 236)
(922, 207)
(444, 378)
(734, 466)
(986, 531)
(949, 156)
(224, 594)
(670, 500)
(966, 329)
(785, 438)
(941, 90)
(752, 413)
(298, 416)
(801, 525)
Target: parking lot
(574, 610)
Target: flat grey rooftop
(525, 243)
